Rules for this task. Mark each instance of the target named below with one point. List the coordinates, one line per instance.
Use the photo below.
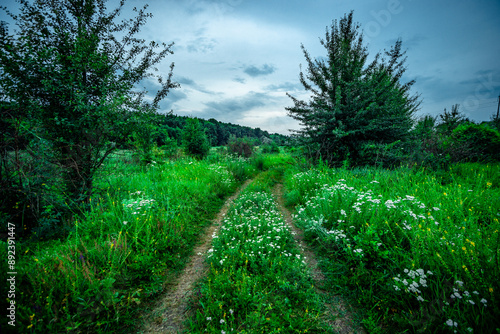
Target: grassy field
(413, 250)
(141, 228)
(416, 251)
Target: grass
(416, 251)
(141, 228)
(258, 281)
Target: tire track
(169, 314)
(337, 315)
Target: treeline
(218, 133)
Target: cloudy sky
(236, 59)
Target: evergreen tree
(354, 104)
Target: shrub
(195, 140)
(473, 142)
(270, 148)
(243, 147)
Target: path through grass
(258, 281)
(169, 314)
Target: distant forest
(218, 133)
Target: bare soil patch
(169, 314)
(337, 313)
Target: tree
(354, 104)
(194, 139)
(450, 120)
(72, 69)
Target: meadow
(138, 233)
(412, 250)
(416, 251)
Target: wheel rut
(169, 314)
(337, 313)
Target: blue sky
(237, 59)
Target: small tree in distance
(194, 139)
(354, 105)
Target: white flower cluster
(355, 203)
(254, 228)
(225, 177)
(460, 293)
(413, 283)
(138, 206)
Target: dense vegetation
(106, 196)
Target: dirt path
(337, 315)
(169, 314)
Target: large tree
(72, 68)
(354, 103)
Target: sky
(236, 60)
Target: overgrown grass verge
(416, 251)
(258, 281)
(142, 225)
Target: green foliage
(474, 142)
(242, 147)
(218, 133)
(270, 148)
(413, 249)
(68, 72)
(449, 121)
(195, 140)
(137, 233)
(353, 103)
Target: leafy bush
(271, 148)
(243, 147)
(474, 142)
(195, 140)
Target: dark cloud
(201, 45)
(255, 71)
(240, 80)
(175, 95)
(192, 84)
(235, 108)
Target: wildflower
(451, 323)
(419, 298)
(125, 222)
(231, 311)
(470, 301)
(222, 321)
(484, 301)
(209, 318)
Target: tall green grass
(142, 225)
(415, 250)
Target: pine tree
(354, 104)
